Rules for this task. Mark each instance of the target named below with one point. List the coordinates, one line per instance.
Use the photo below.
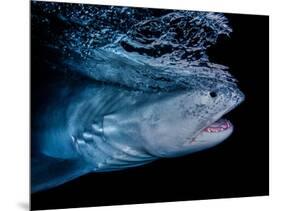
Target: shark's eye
(213, 94)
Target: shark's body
(130, 112)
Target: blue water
(155, 49)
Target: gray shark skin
(133, 110)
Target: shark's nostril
(240, 96)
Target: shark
(125, 107)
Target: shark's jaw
(215, 132)
(218, 126)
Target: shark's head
(178, 122)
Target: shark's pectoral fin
(48, 172)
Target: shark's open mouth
(218, 126)
(218, 129)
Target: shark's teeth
(218, 126)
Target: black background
(236, 168)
